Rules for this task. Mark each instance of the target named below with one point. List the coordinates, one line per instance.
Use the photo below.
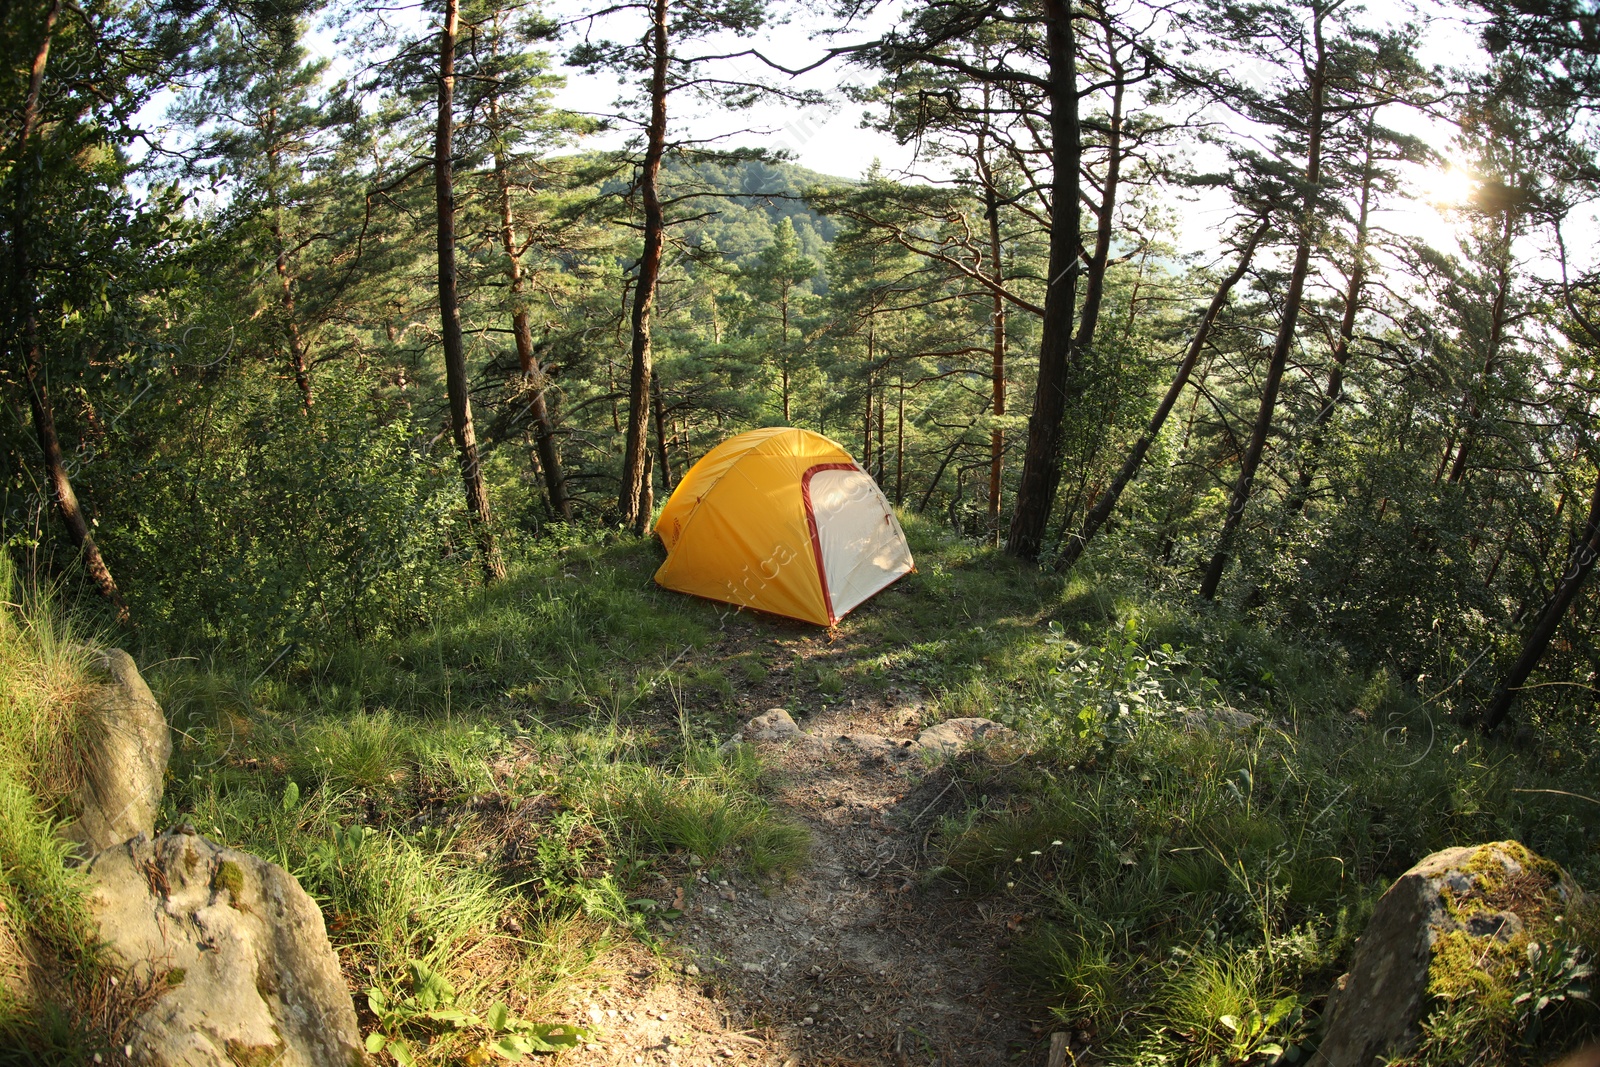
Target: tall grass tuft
(48, 966)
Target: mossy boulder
(1449, 952)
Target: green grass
(54, 994)
(481, 800)
(487, 801)
(1200, 885)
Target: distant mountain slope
(739, 220)
(742, 227)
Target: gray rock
(874, 746)
(1375, 1013)
(126, 760)
(775, 724)
(241, 948)
(953, 735)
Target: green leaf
(291, 796)
(377, 1001)
(1230, 1022)
(375, 1041)
(553, 1037)
(401, 1051)
(496, 1019)
(511, 1047)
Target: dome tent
(781, 520)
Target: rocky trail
(860, 958)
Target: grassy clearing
(485, 806)
(476, 806)
(1209, 815)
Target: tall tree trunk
(1107, 501)
(997, 330)
(32, 350)
(299, 364)
(544, 438)
(455, 358)
(1286, 328)
(1058, 355)
(1497, 326)
(1579, 563)
(634, 454)
(658, 409)
(882, 449)
(783, 306)
(866, 422)
(1347, 332)
(1095, 271)
(900, 445)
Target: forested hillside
(1216, 356)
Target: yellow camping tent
(781, 520)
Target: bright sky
(827, 139)
(832, 140)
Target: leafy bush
(259, 526)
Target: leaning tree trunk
(1347, 330)
(1579, 564)
(1102, 508)
(455, 360)
(1286, 330)
(635, 449)
(544, 437)
(31, 349)
(1497, 327)
(997, 331)
(1058, 355)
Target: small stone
(691, 970)
(773, 725)
(953, 735)
(807, 1021)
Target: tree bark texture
(635, 452)
(32, 349)
(533, 381)
(1058, 355)
(1579, 564)
(1284, 342)
(455, 359)
(1101, 510)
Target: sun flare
(1449, 187)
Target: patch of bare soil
(860, 958)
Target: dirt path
(860, 958)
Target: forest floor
(536, 799)
(858, 956)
